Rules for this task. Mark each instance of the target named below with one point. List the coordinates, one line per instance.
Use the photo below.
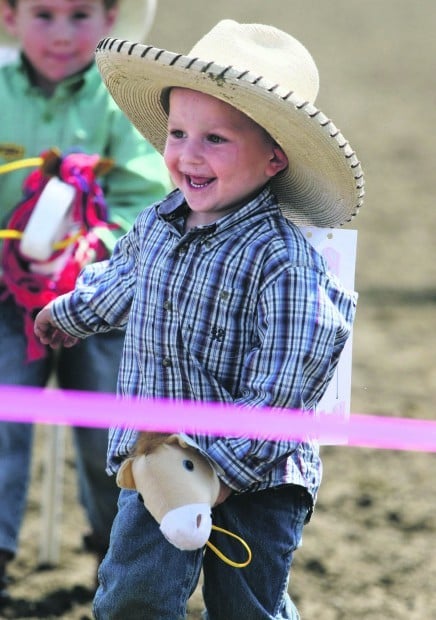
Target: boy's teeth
(198, 184)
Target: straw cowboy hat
(134, 21)
(269, 76)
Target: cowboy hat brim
(323, 184)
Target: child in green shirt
(52, 96)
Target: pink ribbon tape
(60, 407)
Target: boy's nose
(62, 30)
(192, 153)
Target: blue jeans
(91, 365)
(143, 577)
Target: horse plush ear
(125, 478)
(179, 488)
(51, 160)
(103, 166)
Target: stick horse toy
(50, 234)
(179, 487)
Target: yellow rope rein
(21, 163)
(9, 233)
(223, 557)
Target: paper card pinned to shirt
(338, 247)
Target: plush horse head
(178, 486)
(51, 233)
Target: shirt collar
(263, 205)
(66, 87)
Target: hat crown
(264, 51)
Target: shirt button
(168, 305)
(166, 362)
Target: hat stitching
(145, 52)
(221, 77)
(243, 75)
(192, 62)
(173, 62)
(206, 68)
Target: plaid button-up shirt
(243, 311)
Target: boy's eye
(215, 139)
(44, 15)
(76, 16)
(80, 15)
(176, 133)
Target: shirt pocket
(218, 327)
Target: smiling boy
(216, 156)
(58, 37)
(224, 301)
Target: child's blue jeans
(144, 577)
(90, 365)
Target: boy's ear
(8, 17)
(278, 161)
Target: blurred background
(369, 551)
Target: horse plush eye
(189, 465)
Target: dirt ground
(369, 550)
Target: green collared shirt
(80, 115)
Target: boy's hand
(224, 493)
(48, 333)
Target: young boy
(223, 300)
(52, 96)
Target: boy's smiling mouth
(199, 182)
